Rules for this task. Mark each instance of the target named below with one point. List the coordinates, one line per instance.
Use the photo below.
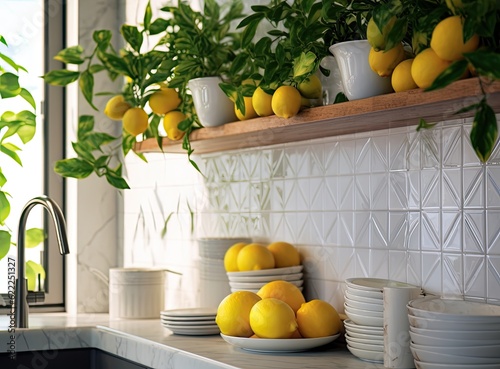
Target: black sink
(85, 358)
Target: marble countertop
(149, 343)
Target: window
(34, 30)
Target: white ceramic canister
(212, 105)
(136, 293)
(358, 79)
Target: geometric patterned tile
(330, 228)
(362, 229)
(379, 228)
(452, 231)
(398, 191)
(379, 198)
(414, 155)
(473, 194)
(452, 274)
(363, 156)
(493, 281)
(397, 265)
(346, 229)
(469, 155)
(398, 148)
(431, 239)
(475, 275)
(362, 262)
(431, 272)
(329, 195)
(452, 189)
(430, 192)
(474, 231)
(379, 263)
(430, 148)
(362, 192)
(493, 231)
(414, 268)
(346, 157)
(316, 194)
(398, 231)
(379, 154)
(331, 159)
(346, 192)
(452, 146)
(493, 187)
(414, 230)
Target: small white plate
(359, 298)
(365, 346)
(267, 278)
(194, 330)
(367, 355)
(365, 320)
(363, 328)
(376, 314)
(273, 271)
(186, 323)
(189, 314)
(364, 305)
(365, 293)
(278, 345)
(364, 336)
(375, 284)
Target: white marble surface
(147, 342)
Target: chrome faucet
(21, 302)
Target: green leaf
(451, 74)
(10, 150)
(96, 68)
(9, 85)
(148, 14)
(86, 84)
(102, 39)
(422, 124)
(304, 64)
(11, 62)
(115, 64)
(4, 243)
(74, 168)
(3, 179)
(485, 63)
(26, 95)
(115, 179)
(133, 37)
(61, 77)
(83, 151)
(159, 25)
(248, 34)
(165, 224)
(253, 18)
(70, 55)
(3, 41)
(34, 237)
(484, 132)
(4, 207)
(32, 271)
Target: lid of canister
(136, 276)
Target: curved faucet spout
(56, 214)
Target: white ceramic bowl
(367, 355)
(365, 320)
(361, 328)
(438, 358)
(367, 336)
(363, 305)
(370, 340)
(445, 309)
(489, 351)
(422, 365)
(451, 325)
(421, 339)
(365, 346)
(257, 285)
(267, 272)
(375, 284)
(371, 313)
(266, 278)
(470, 336)
(365, 293)
(359, 298)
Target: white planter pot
(212, 105)
(358, 79)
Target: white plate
(365, 320)
(194, 331)
(446, 309)
(267, 278)
(376, 314)
(451, 325)
(278, 345)
(375, 284)
(273, 271)
(449, 342)
(422, 365)
(487, 351)
(186, 323)
(359, 298)
(457, 335)
(367, 355)
(365, 293)
(452, 360)
(365, 346)
(371, 340)
(363, 305)
(258, 285)
(368, 336)
(190, 312)
(363, 328)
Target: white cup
(358, 79)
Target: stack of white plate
(255, 279)
(364, 306)
(458, 334)
(191, 322)
(214, 284)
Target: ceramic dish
(438, 358)
(365, 320)
(359, 298)
(367, 355)
(278, 345)
(445, 309)
(187, 323)
(371, 340)
(364, 305)
(365, 293)
(257, 285)
(190, 312)
(377, 336)
(378, 314)
(487, 351)
(471, 336)
(273, 271)
(352, 326)
(267, 278)
(365, 346)
(451, 325)
(194, 330)
(422, 365)
(375, 284)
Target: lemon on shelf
(233, 313)
(272, 318)
(318, 318)
(284, 291)
(255, 256)
(285, 254)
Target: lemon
(317, 318)
(448, 41)
(285, 254)
(116, 107)
(171, 122)
(135, 121)
(286, 101)
(254, 256)
(284, 291)
(163, 101)
(311, 88)
(233, 313)
(376, 38)
(261, 102)
(401, 78)
(384, 62)
(426, 67)
(231, 256)
(272, 318)
(249, 110)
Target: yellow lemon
(233, 313)
(254, 256)
(261, 102)
(284, 291)
(163, 101)
(135, 121)
(285, 254)
(286, 101)
(272, 318)
(401, 78)
(249, 110)
(171, 122)
(317, 318)
(384, 62)
(231, 257)
(447, 39)
(426, 67)
(376, 38)
(116, 107)
(311, 88)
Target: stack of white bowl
(457, 334)
(214, 284)
(255, 279)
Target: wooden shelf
(371, 114)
